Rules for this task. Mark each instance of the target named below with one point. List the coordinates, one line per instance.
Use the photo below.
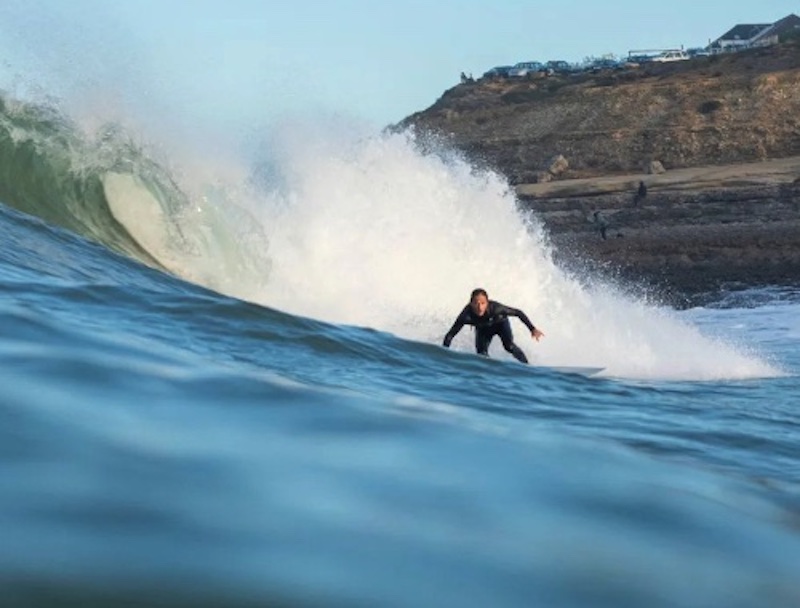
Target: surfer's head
(479, 301)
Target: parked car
(558, 67)
(523, 68)
(697, 52)
(667, 56)
(500, 71)
(598, 65)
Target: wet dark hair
(478, 292)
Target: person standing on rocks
(602, 224)
(640, 193)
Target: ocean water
(230, 391)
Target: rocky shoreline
(695, 231)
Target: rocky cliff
(694, 231)
(725, 128)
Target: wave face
(379, 231)
(163, 444)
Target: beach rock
(654, 167)
(558, 165)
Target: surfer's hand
(536, 334)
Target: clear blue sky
(374, 60)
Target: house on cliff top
(749, 35)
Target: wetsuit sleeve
(459, 323)
(514, 312)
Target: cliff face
(741, 107)
(725, 128)
(694, 231)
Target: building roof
(744, 31)
(787, 24)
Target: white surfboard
(581, 371)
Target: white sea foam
(373, 232)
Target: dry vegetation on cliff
(739, 107)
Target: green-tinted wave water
(48, 169)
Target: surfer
(490, 319)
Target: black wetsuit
(493, 323)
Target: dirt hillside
(738, 107)
(725, 129)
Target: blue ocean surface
(213, 402)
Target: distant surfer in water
(490, 319)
